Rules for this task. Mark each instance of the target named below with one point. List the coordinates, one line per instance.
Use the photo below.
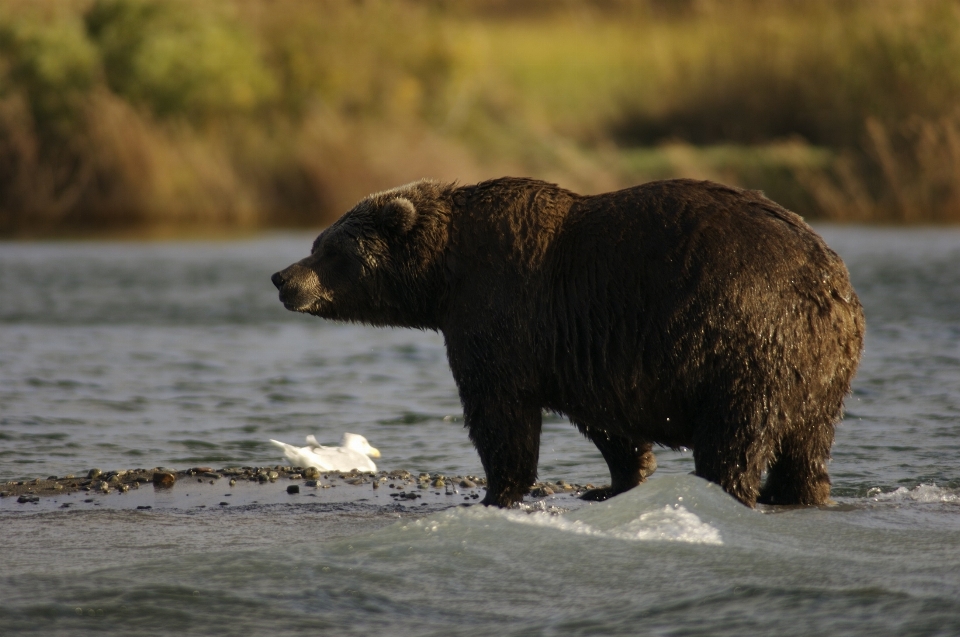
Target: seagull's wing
(342, 459)
(302, 456)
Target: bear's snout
(299, 288)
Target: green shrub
(179, 58)
(52, 64)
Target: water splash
(670, 524)
(923, 493)
(663, 513)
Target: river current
(138, 354)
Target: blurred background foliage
(171, 116)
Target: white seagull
(354, 452)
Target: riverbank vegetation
(140, 115)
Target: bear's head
(381, 263)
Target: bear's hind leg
(798, 476)
(735, 462)
(629, 463)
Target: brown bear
(679, 313)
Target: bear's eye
(317, 243)
(340, 262)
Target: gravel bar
(206, 487)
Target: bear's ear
(398, 215)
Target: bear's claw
(600, 494)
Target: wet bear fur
(677, 313)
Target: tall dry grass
(132, 114)
(875, 85)
(904, 174)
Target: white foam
(670, 524)
(925, 493)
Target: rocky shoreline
(400, 485)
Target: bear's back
(684, 222)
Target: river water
(134, 354)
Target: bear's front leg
(507, 437)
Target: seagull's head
(357, 442)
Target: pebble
(28, 498)
(94, 473)
(541, 492)
(311, 473)
(233, 481)
(438, 483)
(466, 483)
(164, 479)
